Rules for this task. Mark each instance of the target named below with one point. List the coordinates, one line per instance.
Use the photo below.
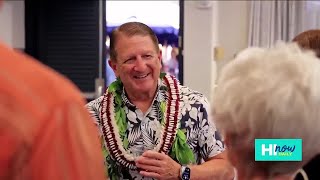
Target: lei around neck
(114, 125)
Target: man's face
(138, 63)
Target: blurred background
(197, 37)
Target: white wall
(198, 46)
(224, 24)
(12, 23)
(233, 28)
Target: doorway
(164, 18)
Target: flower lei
(114, 125)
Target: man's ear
(114, 66)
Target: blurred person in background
(172, 65)
(269, 93)
(310, 40)
(45, 131)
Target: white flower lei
(111, 134)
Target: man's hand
(158, 165)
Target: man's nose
(140, 64)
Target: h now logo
(278, 149)
(271, 149)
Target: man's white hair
(270, 93)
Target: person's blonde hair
(270, 93)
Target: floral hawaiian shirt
(143, 129)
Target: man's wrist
(179, 172)
(185, 172)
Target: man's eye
(130, 60)
(147, 56)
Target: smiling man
(151, 126)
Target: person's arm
(216, 167)
(161, 166)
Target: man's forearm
(215, 169)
